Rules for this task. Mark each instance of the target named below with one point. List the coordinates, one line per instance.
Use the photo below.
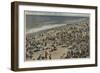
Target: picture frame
(33, 24)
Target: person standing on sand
(47, 53)
(49, 56)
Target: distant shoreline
(45, 27)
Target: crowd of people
(73, 37)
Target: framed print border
(15, 35)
